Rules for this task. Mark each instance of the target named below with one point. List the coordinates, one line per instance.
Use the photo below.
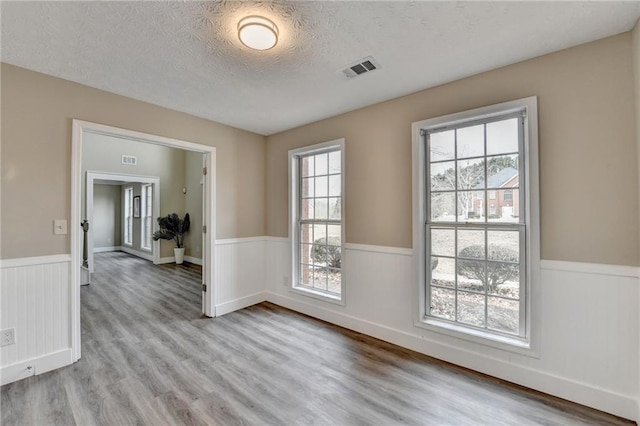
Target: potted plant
(173, 228)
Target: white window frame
(146, 210)
(127, 228)
(528, 343)
(294, 215)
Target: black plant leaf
(173, 228)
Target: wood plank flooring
(149, 358)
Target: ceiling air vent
(362, 66)
(129, 160)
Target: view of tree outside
(474, 204)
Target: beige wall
(101, 153)
(193, 203)
(36, 114)
(587, 142)
(106, 216)
(587, 150)
(636, 69)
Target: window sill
(496, 341)
(337, 300)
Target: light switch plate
(60, 227)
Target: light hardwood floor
(149, 358)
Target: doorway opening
(99, 184)
(82, 133)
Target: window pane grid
(146, 213)
(320, 222)
(466, 292)
(481, 272)
(498, 262)
(488, 120)
(494, 296)
(477, 157)
(128, 216)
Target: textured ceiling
(186, 55)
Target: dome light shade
(257, 33)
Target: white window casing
(146, 227)
(128, 216)
(444, 202)
(317, 224)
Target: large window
(147, 216)
(476, 256)
(317, 219)
(128, 215)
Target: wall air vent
(129, 160)
(363, 66)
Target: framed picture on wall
(136, 207)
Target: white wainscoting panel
(278, 265)
(35, 301)
(239, 273)
(589, 324)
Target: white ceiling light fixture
(257, 33)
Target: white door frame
(93, 176)
(78, 128)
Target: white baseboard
(172, 259)
(581, 393)
(241, 303)
(148, 256)
(141, 254)
(106, 249)
(194, 260)
(35, 366)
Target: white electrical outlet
(285, 281)
(8, 337)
